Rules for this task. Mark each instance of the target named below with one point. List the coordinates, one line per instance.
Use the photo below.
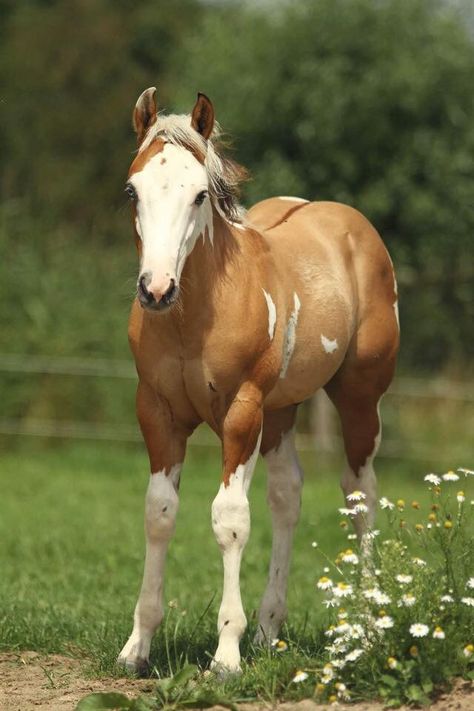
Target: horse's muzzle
(156, 302)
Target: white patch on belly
(272, 314)
(288, 197)
(290, 336)
(328, 345)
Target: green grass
(72, 547)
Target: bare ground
(30, 681)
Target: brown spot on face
(143, 157)
(163, 161)
(234, 534)
(226, 622)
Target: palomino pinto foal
(238, 318)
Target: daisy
(350, 557)
(279, 645)
(438, 633)
(466, 472)
(314, 544)
(324, 583)
(470, 583)
(404, 579)
(328, 671)
(299, 676)
(419, 630)
(386, 504)
(384, 623)
(346, 512)
(468, 601)
(361, 508)
(356, 496)
(433, 479)
(447, 598)
(351, 536)
(381, 598)
(392, 663)
(450, 476)
(460, 496)
(408, 600)
(354, 655)
(342, 590)
(468, 650)
(332, 602)
(419, 561)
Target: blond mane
(224, 174)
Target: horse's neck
(208, 266)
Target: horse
(239, 317)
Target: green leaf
(389, 680)
(414, 692)
(184, 675)
(111, 700)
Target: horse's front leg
(166, 447)
(241, 435)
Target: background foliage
(368, 102)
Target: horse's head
(169, 186)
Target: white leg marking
(328, 345)
(285, 480)
(365, 481)
(231, 525)
(295, 199)
(161, 507)
(290, 336)
(271, 314)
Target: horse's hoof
(223, 671)
(135, 665)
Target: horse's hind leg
(285, 480)
(356, 391)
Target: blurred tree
(368, 102)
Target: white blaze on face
(271, 314)
(328, 345)
(290, 336)
(168, 221)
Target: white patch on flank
(284, 484)
(288, 197)
(231, 525)
(328, 345)
(290, 336)
(272, 314)
(161, 507)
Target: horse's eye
(200, 197)
(131, 192)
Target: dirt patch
(30, 681)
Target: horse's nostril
(169, 295)
(143, 290)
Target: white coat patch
(328, 345)
(272, 314)
(295, 199)
(290, 336)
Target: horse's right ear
(144, 113)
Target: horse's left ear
(144, 113)
(202, 119)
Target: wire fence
(324, 436)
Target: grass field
(72, 545)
